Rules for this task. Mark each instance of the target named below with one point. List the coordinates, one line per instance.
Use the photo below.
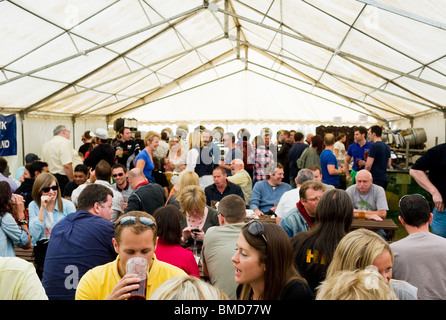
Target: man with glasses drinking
(135, 236)
(302, 217)
(420, 258)
(79, 242)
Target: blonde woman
(363, 248)
(187, 288)
(365, 284)
(176, 154)
(47, 208)
(186, 178)
(197, 216)
(144, 159)
(200, 159)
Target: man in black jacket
(147, 196)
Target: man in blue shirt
(267, 193)
(79, 242)
(232, 153)
(378, 159)
(329, 163)
(356, 152)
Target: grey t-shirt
(420, 259)
(375, 199)
(218, 248)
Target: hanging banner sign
(8, 135)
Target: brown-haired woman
(264, 266)
(12, 208)
(314, 248)
(47, 208)
(168, 248)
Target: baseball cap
(100, 133)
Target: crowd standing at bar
(237, 219)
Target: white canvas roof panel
(382, 58)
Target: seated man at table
(241, 178)
(266, 194)
(302, 216)
(221, 187)
(291, 197)
(365, 193)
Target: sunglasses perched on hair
(47, 189)
(127, 221)
(256, 228)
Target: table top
(386, 224)
(264, 218)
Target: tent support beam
(144, 100)
(183, 16)
(262, 50)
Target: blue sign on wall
(8, 135)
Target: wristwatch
(21, 222)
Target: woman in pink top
(169, 247)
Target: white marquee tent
(276, 63)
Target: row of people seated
(306, 269)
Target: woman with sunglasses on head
(264, 266)
(47, 208)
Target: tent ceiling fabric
(384, 59)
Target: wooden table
(388, 225)
(263, 219)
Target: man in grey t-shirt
(372, 196)
(220, 243)
(420, 258)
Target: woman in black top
(314, 248)
(264, 265)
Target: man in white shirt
(290, 198)
(60, 156)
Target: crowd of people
(198, 211)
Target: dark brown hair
(278, 260)
(168, 219)
(5, 198)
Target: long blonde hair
(187, 288)
(357, 250)
(42, 181)
(195, 140)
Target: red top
(178, 256)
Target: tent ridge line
(265, 51)
(317, 44)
